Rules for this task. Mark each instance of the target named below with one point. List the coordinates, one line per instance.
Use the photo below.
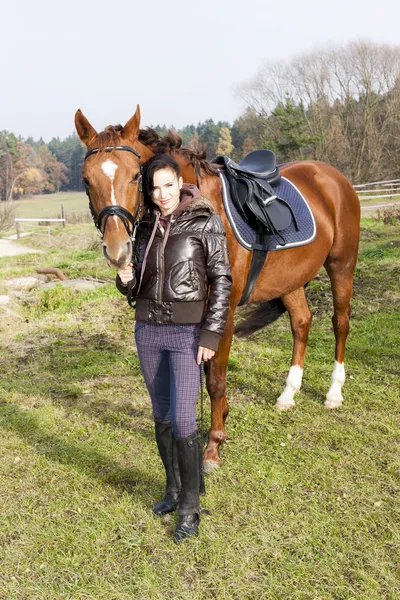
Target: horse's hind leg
(300, 321)
(342, 286)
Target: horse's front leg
(216, 386)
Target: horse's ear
(84, 129)
(131, 128)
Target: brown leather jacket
(186, 276)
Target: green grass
(305, 506)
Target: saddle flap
(273, 213)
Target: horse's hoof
(281, 406)
(210, 465)
(333, 403)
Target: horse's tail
(255, 318)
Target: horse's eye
(86, 181)
(135, 178)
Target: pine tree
(292, 138)
(208, 134)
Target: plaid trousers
(167, 355)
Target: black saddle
(251, 184)
(260, 164)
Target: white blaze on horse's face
(109, 168)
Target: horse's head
(112, 176)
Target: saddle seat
(260, 164)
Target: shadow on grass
(82, 372)
(83, 458)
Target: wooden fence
(40, 220)
(378, 189)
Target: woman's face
(166, 190)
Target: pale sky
(179, 60)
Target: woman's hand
(204, 353)
(126, 274)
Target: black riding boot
(189, 454)
(168, 452)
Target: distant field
(49, 205)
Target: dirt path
(378, 206)
(10, 248)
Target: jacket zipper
(161, 259)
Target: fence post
(62, 214)
(18, 229)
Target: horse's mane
(109, 137)
(171, 143)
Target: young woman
(180, 278)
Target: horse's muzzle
(118, 256)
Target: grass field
(49, 205)
(306, 504)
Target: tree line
(340, 105)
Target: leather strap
(257, 262)
(110, 149)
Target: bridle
(130, 221)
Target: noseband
(130, 222)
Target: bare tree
(351, 98)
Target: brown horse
(112, 173)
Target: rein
(130, 222)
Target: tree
(56, 172)
(70, 152)
(187, 134)
(225, 145)
(208, 136)
(289, 132)
(248, 146)
(8, 157)
(349, 91)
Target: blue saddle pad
(286, 190)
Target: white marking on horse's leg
(209, 466)
(109, 168)
(334, 396)
(293, 385)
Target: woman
(181, 280)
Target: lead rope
(202, 482)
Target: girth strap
(257, 262)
